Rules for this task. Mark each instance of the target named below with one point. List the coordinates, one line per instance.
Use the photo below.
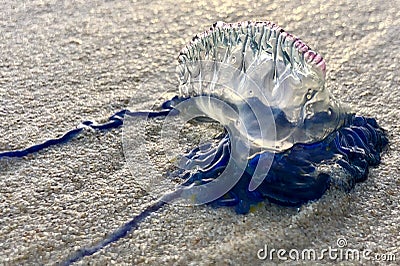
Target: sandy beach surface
(63, 62)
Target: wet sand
(63, 63)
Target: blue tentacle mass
(294, 177)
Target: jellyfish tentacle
(295, 176)
(114, 121)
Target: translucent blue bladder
(293, 126)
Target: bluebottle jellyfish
(290, 138)
(286, 138)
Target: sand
(63, 62)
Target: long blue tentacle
(114, 121)
(116, 235)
